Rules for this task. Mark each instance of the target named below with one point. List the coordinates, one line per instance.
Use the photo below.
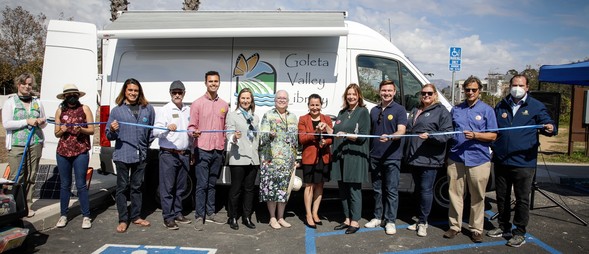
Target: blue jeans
(172, 182)
(424, 178)
(129, 176)
(385, 180)
(208, 167)
(80, 166)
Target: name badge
(175, 116)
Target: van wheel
(187, 198)
(441, 195)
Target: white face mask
(517, 92)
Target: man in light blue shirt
(469, 163)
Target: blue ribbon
(24, 154)
(539, 126)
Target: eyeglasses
(427, 93)
(281, 99)
(468, 90)
(177, 92)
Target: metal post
(453, 102)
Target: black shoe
(351, 230)
(341, 226)
(310, 226)
(171, 224)
(233, 223)
(182, 219)
(248, 222)
(318, 223)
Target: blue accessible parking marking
(311, 236)
(146, 249)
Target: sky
(495, 36)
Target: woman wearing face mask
(72, 150)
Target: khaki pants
(475, 179)
(29, 170)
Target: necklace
(351, 111)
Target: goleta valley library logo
(258, 76)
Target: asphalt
(102, 190)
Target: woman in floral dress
(278, 150)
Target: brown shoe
(476, 237)
(451, 233)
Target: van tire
(441, 196)
(187, 199)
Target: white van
(300, 52)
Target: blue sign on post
(455, 58)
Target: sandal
(142, 223)
(122, 227)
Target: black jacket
(430, 152)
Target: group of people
(209, 134)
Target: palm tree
(191, 5)
(116, 6)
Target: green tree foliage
(22, 39)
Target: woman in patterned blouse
(72, 150)
(278, 150)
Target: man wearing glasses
(175, 150)
(469, 163)
(387, 118)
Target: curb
(46, 217)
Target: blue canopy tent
(572, 74)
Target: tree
(22, 40)
(116, 6)
(191, 5)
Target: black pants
(242, 177)
(521, 180)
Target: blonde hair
(435, 95)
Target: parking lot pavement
(551, 230)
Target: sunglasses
(177, 93)
(427, 93)
(468, 90)
(249, 122)
(379, 117)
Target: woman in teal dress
(278, 150)
(350, 155)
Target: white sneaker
(61, 222)
(86, 223)
(373, 223)
(412, 227)
(390, 228)
(422, 230)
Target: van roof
(217, 24)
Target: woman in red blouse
(316, 157)
(72, 150)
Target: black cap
(177, 84)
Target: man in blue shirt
(130, 149)
(514, 155)
(469, 163)
(388, 118)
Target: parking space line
(311, 236)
